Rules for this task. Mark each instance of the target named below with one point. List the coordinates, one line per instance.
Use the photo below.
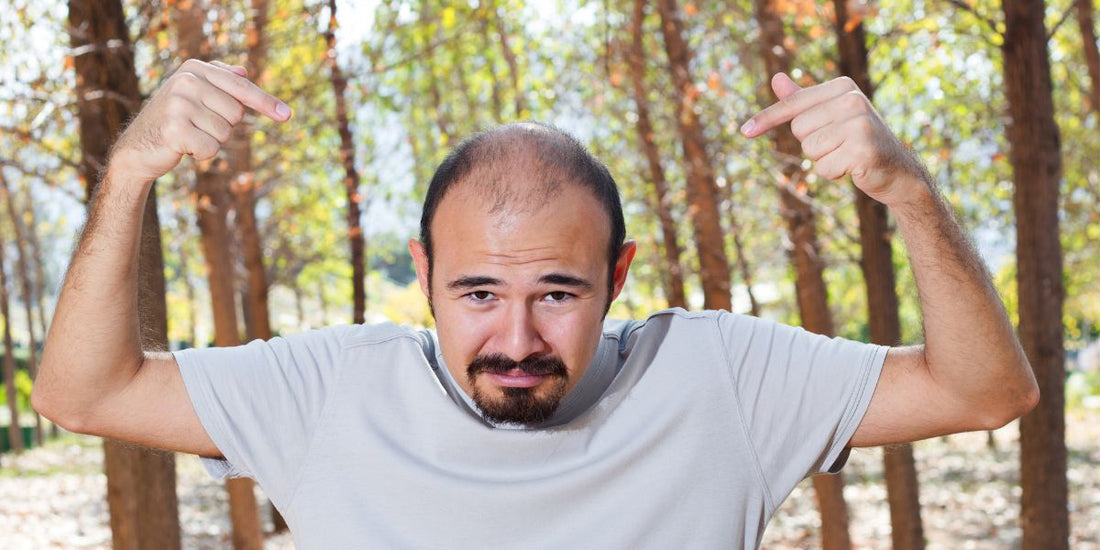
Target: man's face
(519, 295)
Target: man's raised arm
(971, 373)
(94, 377)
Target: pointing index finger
(793, 101)
(246, 92)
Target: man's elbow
(1016, 401)
(46, 403)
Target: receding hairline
(519, 166)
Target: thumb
(783, 86)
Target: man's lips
(516, 378)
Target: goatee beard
(526, 406)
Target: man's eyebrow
(473, 281)
(565, 280)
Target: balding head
(546, 158)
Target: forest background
(332, 196)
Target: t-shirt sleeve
(801, 395)
(261, 402)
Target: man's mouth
(516, 378)
(507, 373)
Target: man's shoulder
(677, 321)
(675, 315)
(344, 337)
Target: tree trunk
(39, 275)
(181, 222)
(39, 265)
(813, 297)
(443, 119)
(25, 285)
(351, 175)
(1037, 173)
(244, 186)
(322, 302)
(212, 190)
(702, 190)
(141, 484)
(509, 59)
(15, 434)
(674, 283)
(1087, 25)
(743, 266)
(877, 264)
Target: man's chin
(519, 405)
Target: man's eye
(480, 295)
(558, 296)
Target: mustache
(497, 363)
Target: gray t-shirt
(687, 431)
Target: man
(528, 420)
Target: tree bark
(1086, 23)
(15, 433)
(702, 190)
(813, 297)
(141, 484)
(877, 264)
(743, 266)
(25, 285)
(39, 277)
(1037, 173)
(212, 190)
(356, 239)
(243, 188)
(39, 265)
(674, 282)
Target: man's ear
(622, 267)
(420, 259)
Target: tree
(1037, 175)
(15, 433)
(141, 484)
(214, 202)
(702, 191)
(1086, 23)
(39, 284)
(243, 187)
(356, 239)
(674, 284)
(26, 286)
(813, 296)
(877, 264)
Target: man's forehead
(507, 190)
(471, 230)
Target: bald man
(527, 419)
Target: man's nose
(520, 337)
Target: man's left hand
(841, 132)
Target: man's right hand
(193, 113)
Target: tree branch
(990, 22)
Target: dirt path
(53, 497)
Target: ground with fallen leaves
(53, 497)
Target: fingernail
(748, 127)
(282, 110)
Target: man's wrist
(120, 179)
(910, 194)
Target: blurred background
(305, 224)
